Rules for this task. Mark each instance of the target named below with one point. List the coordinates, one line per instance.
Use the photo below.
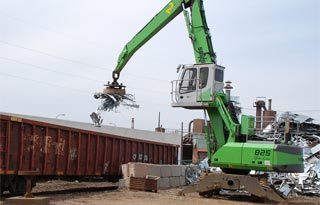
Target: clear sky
(55, 54)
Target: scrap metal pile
(307, 183)
(306, 134)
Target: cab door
(197, 84)
(188, 85)
(210, 81)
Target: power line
(47, 69)
(54, 56)
(315, 110)
(63, 34)
(87, 92)
(245, 108)
(42, 82)
(299, 111)
(149, 78)
(76, 61)
(71, 74)
(59, 86)
(78, 76)
(43, 27)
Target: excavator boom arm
(168, 13)
(197, 28)
(199, 34)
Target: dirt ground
(128, 197)
(163, 197)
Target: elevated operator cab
(197, 85)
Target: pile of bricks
(167, 176)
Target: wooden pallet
(143, 184)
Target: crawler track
(76, 190)
(66, 188)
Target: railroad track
(67, 191)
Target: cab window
(218, 75)
(188, 81)
(204, 71)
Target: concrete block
(27, 201)
(165, 170)
(174, 181)
(183, 170)
(154, 170)
(182, 181)
(164, 183)
(125, 170)
(124, 183)
(138, 170)
(175, 170)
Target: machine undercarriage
(255, 185)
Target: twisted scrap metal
(110, 102)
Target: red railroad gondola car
(52, 147)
